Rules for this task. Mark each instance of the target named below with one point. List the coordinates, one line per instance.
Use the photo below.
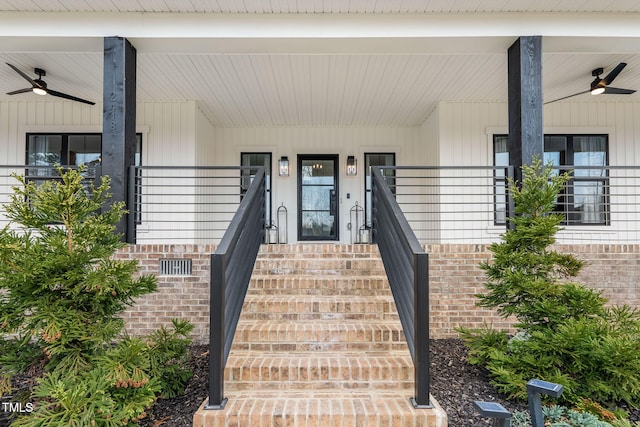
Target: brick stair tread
(318, 285)
(330, 303)
(314, 279)
(312, 370)
(318, 331)
(307, 408)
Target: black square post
(119, 120)
(526, 134)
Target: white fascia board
(318, 33)
(195, 25)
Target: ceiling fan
(600, 86)
(39, 86)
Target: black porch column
(119, 119)
(526, 139)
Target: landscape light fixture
(535, 388)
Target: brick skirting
(454, 280)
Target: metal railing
(36, 174)
(177, 204)
(407, 268)
(471, 204)
(231, 268)
(600, 204)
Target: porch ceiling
(314, 62)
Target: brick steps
(323, 408)
(319, 343)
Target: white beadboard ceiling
(323, 80)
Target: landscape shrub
(566, 333)
(61, 295)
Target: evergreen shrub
(566, 333)
(62, 291)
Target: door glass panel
(317, 198)
(377, 159)
(258, 159)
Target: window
(69, 149)
(257, 159)
(46, 150)
(377, 159)
(584, 200)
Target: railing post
(132, 207)
(216, 333)
(511, 204)
(421, 325)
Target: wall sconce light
(352, 166)
(283, 166)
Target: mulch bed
(455, 384)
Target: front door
(318, 197)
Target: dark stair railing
(407, 268)
(231, 268)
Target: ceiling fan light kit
(39, 86)
(601, 86)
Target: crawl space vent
(175, 267)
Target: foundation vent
(175, 267)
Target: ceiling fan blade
(614, 73)
(70, 97)
(617, 91)
(15, 92)
(27, 78)
(569, 96)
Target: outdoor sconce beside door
(352, 166)
(283, 166)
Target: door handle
(332, 202)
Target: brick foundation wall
(454, 280)
(184, 297)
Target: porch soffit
(314, 69)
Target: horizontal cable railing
(471, 204)
(407, 266)
(185, 203)
(600, 204)
(36, 174)
(172, 204)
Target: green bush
(559, 416)
(61, 295)
(566, 332)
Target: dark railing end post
(218, 407)
(421, 324)
(216, 332)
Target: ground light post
(534, 389)
(501, 416)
